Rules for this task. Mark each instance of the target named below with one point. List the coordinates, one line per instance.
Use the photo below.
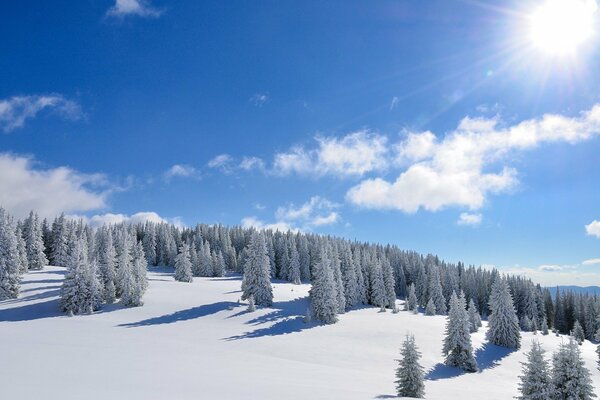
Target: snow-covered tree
(149, 243)
(578, 333)
(544, 327)
(294, 273)
(503, 325)
(409, 374)
(474, 318)
(430, 309)
(218, 264)
(10, 264)
(257, 272)
(34, 242)
(323, 296)
(251, 305)
(570, 377)
(106, 257)
(535, 382)
(21, 249)
(525, 324)
(135, 281)
(436, 292)
(183, 265)
(457, 343)
(60, 235)
(412, 298)
(80, 292)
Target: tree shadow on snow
(490, 355)
(442, 371)
(184, 315)
(287, 317)
(30, 312)
(386, 396)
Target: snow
(194, 340)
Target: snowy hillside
(193, 341)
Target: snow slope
(194, 341)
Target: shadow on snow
(184, 315)
(487, 356)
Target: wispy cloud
(591, 261)
(469, 219)
(140, 217)
(139, 8)
(593, 228)
(181, 170)
(15, 111)
(223, 162)
(394, 103)
(259, 99)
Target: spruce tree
(34, 242)
(578, 333)
(294, 273)
(535, 382)
(218, 264)
(503, 325)
(21, 249)
(80, 292)
(474, 318)
(544, 327)
(136, 280)
(106, 264)
(457, 343)
(323, 296)
(183, 265)
(430, 309)
(412, 298)
(570, 377)
(257, 272)
(409, 374)
(10, 264)
(436, 292)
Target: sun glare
(558, 27)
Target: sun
(559, 27)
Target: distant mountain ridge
(576, 289)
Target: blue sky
(437, 125)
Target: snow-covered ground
(194, 341)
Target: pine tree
(106, 265)
(60, 234)
(503, 325)
(10, 264)
(218, 264)
(149, 243)
(377, 295)
(323, 293)
(436, 292)
(430, 309)
(412, 298)
(474, 318)
(535, 382)
(294, 273)
(257, 272)
(251, 305)
(183, 265)
(544, 327)
(409, 374)
(457, 343)
(80, 292)
(389, 283)
(578, 333)
(123, 279)
(134, 280)
(34, 242)
(570, 378)
(22, 250)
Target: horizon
(445, 128)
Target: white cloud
(593, 228)
(550, 268)
(592, 261)
(259, 206)
(354, 154)
(458, 170)
(314, 213)
(259, 99)
(140, 217)
(16, 110)
(253, 222)
(250, 163)
(222, 162)
(140, 8)
(394, 102)
(181, 170)
(23, 187)
(469, 219)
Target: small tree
(474, 318)
(544, 327)
(430, 309)
(535, 382)
(257, 272)
(578, 333)
(457, 343)
(412, 298)
(570, 378)
(409, 374)
(183, 265)
(10, 263)
(251, 305)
